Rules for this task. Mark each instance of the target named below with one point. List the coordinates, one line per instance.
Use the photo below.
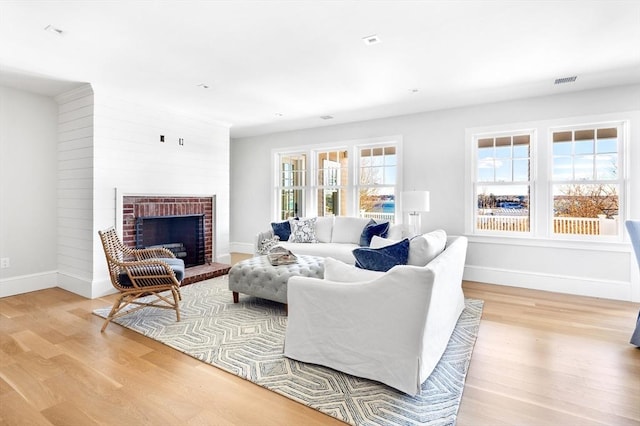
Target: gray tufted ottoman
(257, 277)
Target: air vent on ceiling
(565, 80)
(326, 117)
(53, 30)
(372, 39)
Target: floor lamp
(415, 202)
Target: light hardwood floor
(540, 359)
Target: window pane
(291, 201)
(292, 170)
(521, 170)
(503, 208)
(583, 167)
(583, 147)
(521, 151)
(503, 171)
(562, 168)
(331, 202)
(377, 203)
(607, 166)
(604, 146)
(585, 209)
(562, 148)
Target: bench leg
(235, 297)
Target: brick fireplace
(140, 208)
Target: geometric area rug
(247, 339)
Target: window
(557, 180)
(503, 183)
(332, 180)
(357, 178)
(377, 172)
(586, 182)
(292, 170)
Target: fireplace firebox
(184, 235)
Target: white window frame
(278, 186)
(541, 220)
(353, 147)
(621, 182)
(531, 182)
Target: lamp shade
(415, 201)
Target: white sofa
(391, 326)
(337, 236)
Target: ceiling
(280, 65)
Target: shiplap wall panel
(75, 190)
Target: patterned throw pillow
(267, 244)
(303, 231)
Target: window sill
(609, 244)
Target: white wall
(28, 134)
(60, 164)
(129, 156)
(434, 159)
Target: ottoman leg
(235, 297)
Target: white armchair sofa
(392, 327)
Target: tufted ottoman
(257, 277)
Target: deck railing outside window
(561, 225)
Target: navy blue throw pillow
(372, 228)
(384, 258)
(281, 229)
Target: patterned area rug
(247, 339)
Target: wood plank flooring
(541, 359)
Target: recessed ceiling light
(279, 114)
(326, 117)
(204, 86)
(372, 39)
(565, 80)
(54, 30)
(414, 90)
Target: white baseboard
(28, 283)
(617, 290)
(245, 248)
(77, 285)
(224, 258)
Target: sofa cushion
(383, 258)
(324, 227)
(335, 270)
(348, 229)
(176, 265)
(372, 228)
(281, 229)
(342, 252)
(422, 248)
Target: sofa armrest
(261, 236)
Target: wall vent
(565, 80)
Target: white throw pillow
(324, 226)
(396, 232)
(422, 248)
(334, 270)
(348, 229)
